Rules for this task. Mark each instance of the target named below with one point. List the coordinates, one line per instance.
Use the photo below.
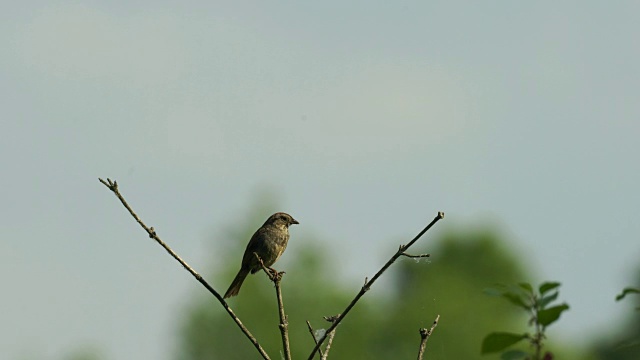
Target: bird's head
(281, 219)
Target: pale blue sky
(367, 117)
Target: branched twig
(424, 334)
(113, 186)
(331, 319)
(314, 339)
(368, 283)
(276, 276)
(324, 354)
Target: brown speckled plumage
(269, 242)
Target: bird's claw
(275, 274)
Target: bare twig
(113, 186)
(314, 339)
(368, 283)
(424, 335)
(331, 319)
(284, 323)
(324, 354)
(276, 276)
(416, 256)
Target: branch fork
(424, 336)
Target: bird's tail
(234, 288)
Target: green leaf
(550, 315)
(547, 299)
(514, 355)
(515, 299)
(499, 341)
(626, 292)
(527, 287)
(547, 286)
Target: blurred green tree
(462, 264)
(384, 324)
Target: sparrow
(269, 242)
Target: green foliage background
(385, 323)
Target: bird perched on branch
(269, 242)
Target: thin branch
(314, 339)
(113, 186)
(424, 335)
(276, 276)
(331, 319)
(284, 323)
(416, 256)
(368, 284)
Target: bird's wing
(253, 246)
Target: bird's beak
(294, 221)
